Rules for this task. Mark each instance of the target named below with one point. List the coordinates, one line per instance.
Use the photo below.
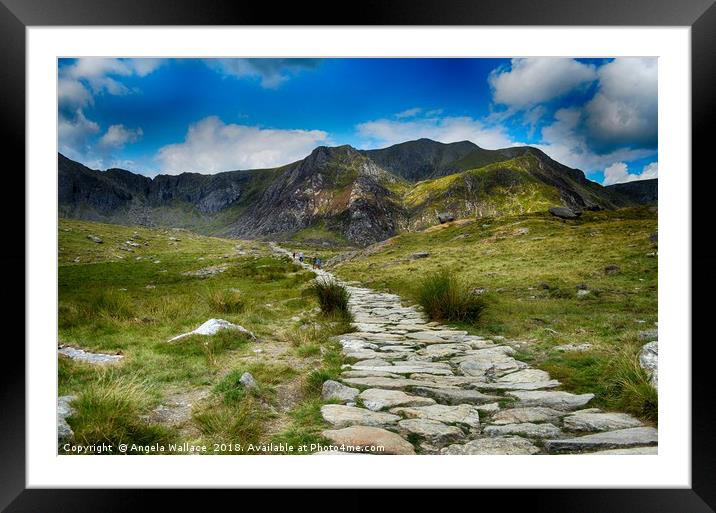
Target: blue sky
(210, 115)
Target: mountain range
(343, 194)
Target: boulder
(333, 390)
(420, 254)
(95, 239)
(212, 327)
(369, 439)
(612, 269)
(64, 410)
(564, 213)
(247, 381)
(649, 360)
(445, 217)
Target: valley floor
(137, 288)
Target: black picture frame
(17, 15)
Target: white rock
(333, 390)
(212, 327)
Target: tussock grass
(332, 297)
(109, 410)
(631, 389)
(225, 300)
(445, 297)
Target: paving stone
(509, 445)
(333, 390)
(530, 414)
(607, 440)
(370, 439)
(526, 429)
(343, 416)
(381, 382)
(556, 400)
(455, 395)
(466, 414)
(378, 399)
(580, 421)
(435, 432)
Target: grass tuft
(225, 301)
(332, 297)
(447, 298)
(632, 389)
(110, 410)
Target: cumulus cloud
(565, 141)
(77, 85)
(74, 132)
(619, 173)
(117, 136)
(530, 81)
(624, 109)
(100, 72)
(212, 146)
(271, 73)
(385, 132)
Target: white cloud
(565, 141)
(537, 80)
(71, 94)
(385, 132)
(270, 72)
(98, 72)
(212, 146)
(624, 109)
(409, 113)
(117, 136)
(618, 172)
(74, 132)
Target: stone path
(416, 386)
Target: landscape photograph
(340, 256)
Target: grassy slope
(132, 302)
(531, 281)
(503, 188)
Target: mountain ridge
(360, 196)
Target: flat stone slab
(509, 445)
(433, 431)
(370, 439)
(529, 414)
(526, 429)
(342, 416)
(580, 421)
(382, 382)
(455, 395)
(368, 354)
(356, 345)
(378, 399)
(409, 368)
(525, 376)
(335, 391)
(435, 351)
(497, 364)
(85, 356)
(465, 414)
(607, 440)
(367, 374)
(555, 400)
(426, 336)
(632, 450)
(518, 386)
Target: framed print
(264, 249)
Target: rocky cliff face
(362, 196)
(640, 191)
